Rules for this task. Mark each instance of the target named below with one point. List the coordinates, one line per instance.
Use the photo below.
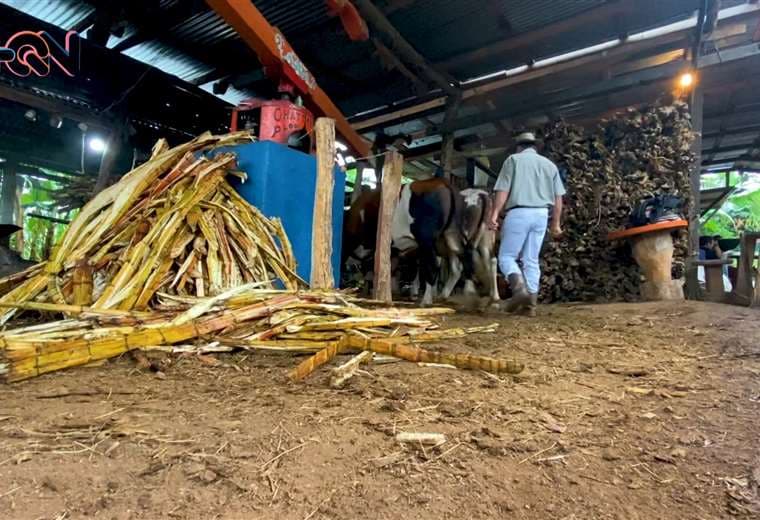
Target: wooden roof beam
(543, 103)
(716, 150)
(754, 129)
(673, 33)
(58, 107)
(601, 14)
(391, 61)
(402, 48)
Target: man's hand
(493, 222)
(556, 231)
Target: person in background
(709, 248)
(528, 185)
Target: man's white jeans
(522, 235)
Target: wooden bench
(653, 251)
(715, 290)
(745, 292)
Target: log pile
(172, 225)
(633, 156)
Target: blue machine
(281, 183)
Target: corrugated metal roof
(204, 29)
(169, 60)
(441, 28)
(233, 96)
(62, 13)
(350, 72)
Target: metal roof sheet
(62, 13)
(169, 60)
(204, 29)
(441, 28)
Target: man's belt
(527, 207)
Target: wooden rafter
(602, 14)
(624, 49)
(401, 47)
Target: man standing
(528, 184)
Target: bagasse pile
(174, 225)
(631, 157)
(171, 257)
(242, 318)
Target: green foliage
(719, 224)
(740, 212)
(40, 234)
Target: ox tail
(454, 216)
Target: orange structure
(282, 64)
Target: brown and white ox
(432, 221)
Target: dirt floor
(624, 411)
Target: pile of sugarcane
(633, 156)
(171, 257)
(173, 224)
(323, 323)
(76, 192)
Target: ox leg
(484, 269)
(495, 297)
(428, 272)
(429, 296)
(455, 273)
(469, 263)
(415, 289)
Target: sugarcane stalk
(82, 281)
(54, 355)
(417, 355)
(309, 365)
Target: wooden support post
(107, 161)
(743, 293)
(19, 221)
(379, 169)
(447, 155)
(447, 145)
(692, 282)
(8, 199)
(358, 182)
(321, 235)
(394, 165)
(696, 105)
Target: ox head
(477, 207)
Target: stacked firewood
(631, 157)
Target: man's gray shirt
(532, 180)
